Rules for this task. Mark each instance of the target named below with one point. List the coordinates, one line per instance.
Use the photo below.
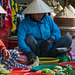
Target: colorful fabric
(20, 10)
(20, 65)
(11, 62)
(14, 14)
(8, 16)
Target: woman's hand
(31, 57)
(49, 42)
(6, 54)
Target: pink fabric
(73, 43)
(22, 59)
(73, 47)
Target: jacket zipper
(39, 30)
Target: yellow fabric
(14, 13)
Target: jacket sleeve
(1, 45)
(55, 31)
(22, 31)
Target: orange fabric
(1, 45)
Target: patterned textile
(14, 14)
(20, 65)
(8, 16)
(20, 10)
(11, 62)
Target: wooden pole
(1, 14)
(66, 2)
(44, 0)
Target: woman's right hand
(31, 57)
(6, 54)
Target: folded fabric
(11, 62)
(22, 59)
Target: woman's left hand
(6, 54)
(49, 42)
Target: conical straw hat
(2, 11)
(37, 6)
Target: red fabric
(4, 35)
(8, 16)
(22, 59)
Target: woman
(38, 34)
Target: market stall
(64, 17)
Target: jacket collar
(35, 22)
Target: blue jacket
(41, 30)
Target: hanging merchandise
(59, 8)
(8, 16)
(1, 2)
(4, 31)
(20, 16)
(20, 10)
(14, 14)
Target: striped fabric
(11, 62)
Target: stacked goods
(71, 9)
(65, 13)
(65, 19)
(58, 9)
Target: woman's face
(38, 16)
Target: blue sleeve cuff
(53, 37)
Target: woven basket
(66, 25)
(65, 31)
(70, 22)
